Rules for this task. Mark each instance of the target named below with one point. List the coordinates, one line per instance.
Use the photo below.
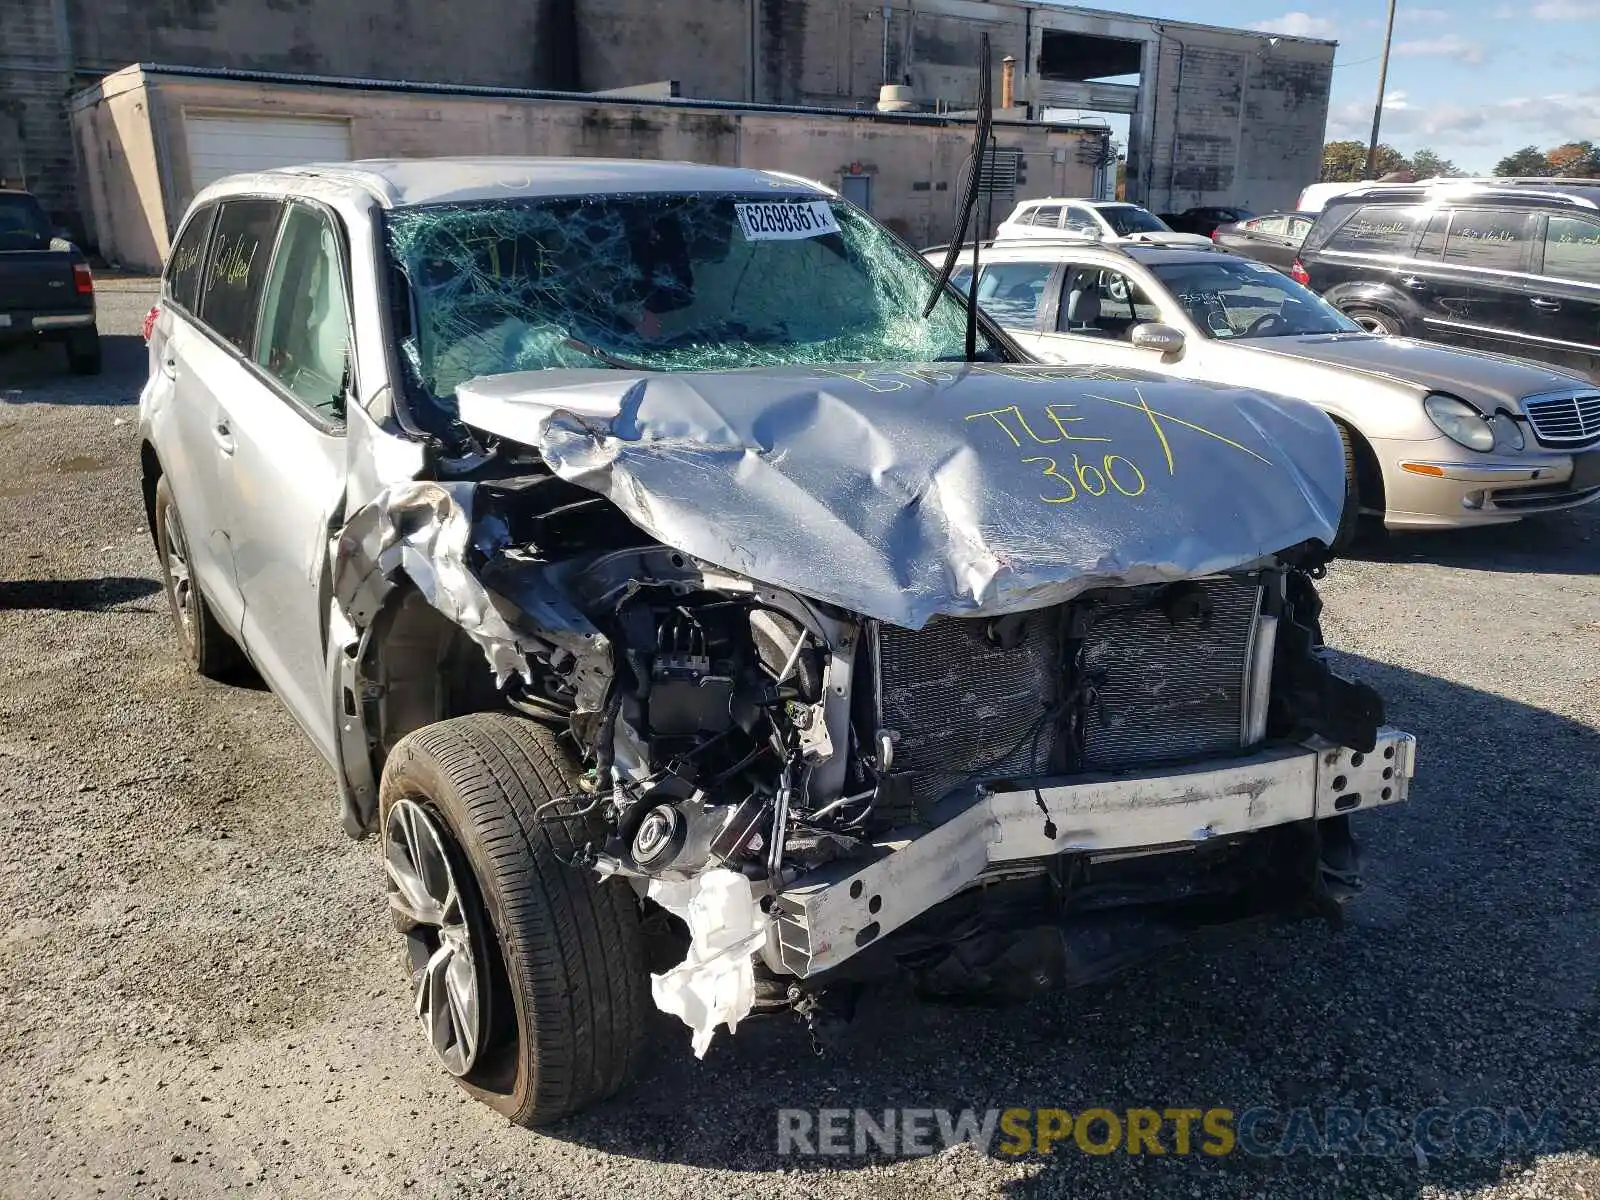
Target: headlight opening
(1460, 422)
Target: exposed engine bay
(738, 740)
(848, 707)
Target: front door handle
(1544, 305)
(223, 436)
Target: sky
(1472, 80)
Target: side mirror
(1163, 339)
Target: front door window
(1102, 303)
(305, 327)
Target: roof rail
(1520, 180)
(1526, 186)
(1029, 243)
(1042, 242)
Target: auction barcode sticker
(786, 222)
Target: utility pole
(1383, 83)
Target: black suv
(1508, 265)
(1205, 221)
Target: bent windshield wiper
(969, 202)
(611, 360)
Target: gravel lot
(199, 994)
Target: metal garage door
(221, 146)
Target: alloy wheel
(179, 581)
(1373, 323)
(431, 910)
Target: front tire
(83, 353)
(559, 988)
(1350, 515)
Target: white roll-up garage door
(221, 146)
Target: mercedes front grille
(1565, 421)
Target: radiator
(963, 709)
(1169, 691)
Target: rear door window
(1572, 249)
(1272, 226)
(305, 325)
(237, 262)
(1378, 229)
(187, 259)
(1050, 218)
(1012, 292)
(1488, 239)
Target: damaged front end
(928, 726)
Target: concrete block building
(1215, 115)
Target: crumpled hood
(903, 492)
(1489, 381)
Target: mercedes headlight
(1460, 422)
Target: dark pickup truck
(46, 287)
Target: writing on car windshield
(1241, 299)
(1129, 219)
(663, 282)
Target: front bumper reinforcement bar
(830, 914)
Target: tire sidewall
(188, 639)
(1391, 327)
(1350, 514)
(83, 353)
(417, 777)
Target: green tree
(1346, 162)
(1530, 160)
(1429, 165)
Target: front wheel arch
(416, 668)
(1368, 491)
(1370, 298)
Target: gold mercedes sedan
(1435, 436)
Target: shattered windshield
(1235, 298)
(1129, 219)
(664, 282)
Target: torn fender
(906, 492)
(422, 529)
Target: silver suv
(700, 607)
